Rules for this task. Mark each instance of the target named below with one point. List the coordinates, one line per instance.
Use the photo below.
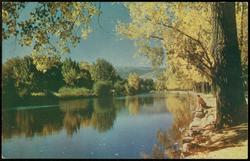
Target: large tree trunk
(230, 98)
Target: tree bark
(230, 97)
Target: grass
(73, 92)
(38, 94)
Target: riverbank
(43, 98)
(202, 141)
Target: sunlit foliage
(49, 27)
(183, 31)
(102, 70)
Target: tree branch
(156, 37)
(190, 37)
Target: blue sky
(101, 43)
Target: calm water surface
(122, 127)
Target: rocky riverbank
(199, 132)
(201, 140)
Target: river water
(121, 127)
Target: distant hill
(143, 72)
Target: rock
(211, 119)
(203, 144)
(195, 123)
(208, 127)
(216, 137)
(210, 134)
(197, 119)
(186, 147)
(206, 132)
(176, 147)
(217, 143)
(194, 132)
(187, 139)
(199, 109)
(200, 139)
(204, 123)
(199, 114)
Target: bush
(68, 92)
(102, 88)
(102, 70)
(146, 85)
(119, 88)
(130, 90)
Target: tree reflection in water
(74, 114)
(71, 115)
(104, 114)
(133, 105)
(31, 122)
(180, 107)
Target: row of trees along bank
(22, 78)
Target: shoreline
(56, 97)
(202, 141)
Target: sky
(101, 43)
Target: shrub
(102, 88)
(68, 92)
(119, 88)
(102, 70)
(130, 90)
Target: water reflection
(71, 115)
(180, 106)
(76, 113)
(122, 117)
(133, 105)
(31, 122)
(104, 114)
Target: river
(121, 127)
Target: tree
(52, 79)
(24, 75)
(119, 88)
(85, 65)
(242, 33)
(8, 84)
(71, 72)
(102, 88)
(39, 30)
(170, 28)
(102, 70)
(85, 79)
(227, 76)
(146, 85)
(187, 41)
(74, 76)
(133, 85)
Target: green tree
(85, 79)
(24, 75)
(147, 85)
(102, 88)
(189, 45)
(52, 79)
(50, 27)
(71, 72)
(119, 88)
(85, 65)
(102, 70)
(133, 85)
(8, 85)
